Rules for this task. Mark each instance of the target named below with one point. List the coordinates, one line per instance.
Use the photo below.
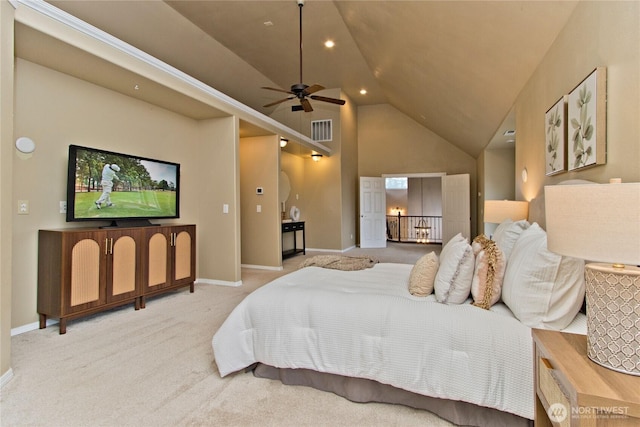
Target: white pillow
(423, 275)
(453, 281)
(507, 234)
(542, 289)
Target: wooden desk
(571, 390)
(292, 227)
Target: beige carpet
(155, 367)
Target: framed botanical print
(587, 121)
(555, 120)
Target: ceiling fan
(300, 90)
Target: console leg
(63, 326)
(43, 321)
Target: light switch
(23, 207)
(63, 206)
(225, 208)
(258, 208)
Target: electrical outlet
(63, 206)
(23, 207)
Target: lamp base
(613, 317)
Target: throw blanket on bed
(340, 262)
(366, 324)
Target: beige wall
(390, 143)
(218, 183)
(597, 34)
(260, 167)
(57, 110)
(349, 172)
(322, 198)
(6, 167)
(498, 183)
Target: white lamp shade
(595, 222)
(496, 211)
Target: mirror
(284, 187)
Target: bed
(362, 334)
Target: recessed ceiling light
(363, 91)
(329, 44)
(268, 24)
(509, 132)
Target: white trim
(414, 175)
(330, 250)
(262, 267)
(77, 24)
(31, 327)
(6, 377)
(218, 282)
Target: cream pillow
(507, 234)
(542, 289)
(453, 281)
(423, 275)
(486, 284)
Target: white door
(456, 210)
(373, 217)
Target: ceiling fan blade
(277, 90)
(331, 100)
(278, 102)
(313, 89)
(306, 105)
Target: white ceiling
(456, 67)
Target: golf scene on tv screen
(103, 185)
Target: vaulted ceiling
(456, 67)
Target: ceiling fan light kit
(300, 90)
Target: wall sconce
(25, 145)
(283, 142)
(525, 174)
(316, 157)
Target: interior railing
(416, 229)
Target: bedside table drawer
(550, 389)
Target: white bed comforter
(366, 324)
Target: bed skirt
(363, 390)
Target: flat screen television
(124, 189)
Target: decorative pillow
(507, 234)
(486, 285)
(423, 274)
(453, 281)
(542, 289)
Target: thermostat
(259, 190)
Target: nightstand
(571, 390)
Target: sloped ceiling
(455, 67)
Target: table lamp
(496, 211)
(601, 223)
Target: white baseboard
(32, 327)
(6, 377)
(262, 267)
(218, 282)
(330, 250)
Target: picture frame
(587, 121)
(555, 120)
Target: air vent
(321, 130)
